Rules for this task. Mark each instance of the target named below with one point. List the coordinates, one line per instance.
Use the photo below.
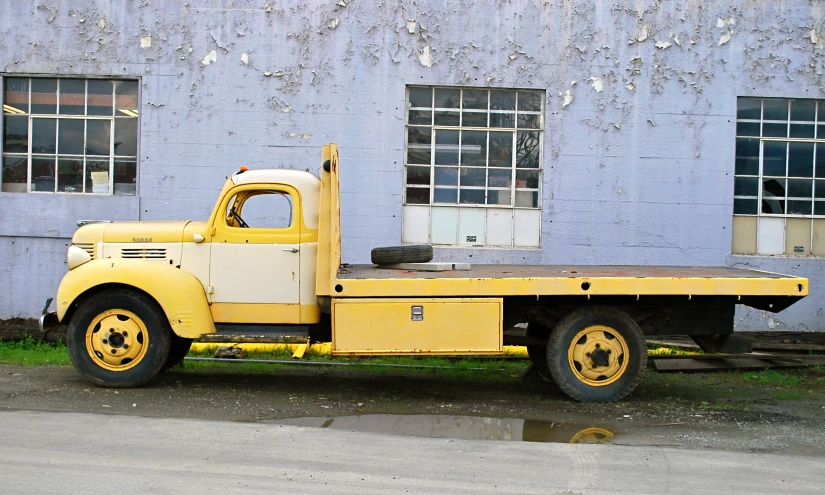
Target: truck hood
(126, 232)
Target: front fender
(179, 293)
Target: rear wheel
(597, 354)
(178, 350)
(118, 338)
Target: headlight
(76, 257)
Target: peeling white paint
(210, 58)
(82, 20)
(245, 58)
(617, 125)
(267, 73)
(568, 98)
(597, 83)
(425, 58)
(630, 86)
(644, 33)
(411, 26)
(299, 135)
(816, 38)
(333, 23)
(146, 42)
(268, 8)
(663, 45)
(101, 23)
(676, 40)
(727, 21)
(342, 3)
(513, 56)
(725, 37)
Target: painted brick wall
(639, 165)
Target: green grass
(30, 352)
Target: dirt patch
(695, 411)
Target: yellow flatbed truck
(138, 293)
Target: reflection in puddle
(461, 427)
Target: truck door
(254, 271)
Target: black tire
(402, 254)
(148, 314)
(622, 335)
(178, 349)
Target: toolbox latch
(418, 313)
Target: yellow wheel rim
(117, 340)
(598, 356)
(594, 434)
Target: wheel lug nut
(114, 351)
(597, 346)
(588, 354)
(105, 341)
(125, 334)
(125, 346)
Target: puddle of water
(460, 427)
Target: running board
(266, 334)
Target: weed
(30, 352)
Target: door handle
(291, 250)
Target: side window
(260, 210)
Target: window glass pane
(749, 108)
(418, 175)
(820, 129)
(72, 96)
(502, 100)
(16, 133)
(527, 149)
(100, 97)
(15, 170)
(773, 158)
(70, 137)
(70, 175)
(800, 159)
(43, 174)
(419, 143)
(819, 189)
(472, 196)
(44, 96)
(744, 206)
(529, 121)
(775, 110)
(821, 112)
(802, 131)
(529, 101)
(447, 118)
(98, 136)
(800, 188)
(799, 207)
(527, 179)
(747, 157)
(474, 148)
(125, 177)
(97, 176)
(447, 98)
(773, 194)
(507, 120)
(270, 210)
(747, 128)
(44, 135)
(126, 136)
(475, 99)
(446, 176)
(500, 177)
(803, 110)
(16, 95)
(418, 196)
(446, 147)
(498, 197)
(474, 119)
(820, 159)
(421, 97)
(126, 97)
(501, 149)
(527, 199)
(746, 186)
(774, 130)
(819, 208)
(474, 177)
(423, 117)
(445, 195)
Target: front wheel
(597, 354)
(118, 338)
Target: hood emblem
(141, 239)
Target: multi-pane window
(779, 184)
(474, 148)
(64, 135)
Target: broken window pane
(800, 159)
(529, 101)
(799, 207)
(126, 136)
(475, 99)
(15, 170)
(744, 206)
(97, 176)
(475, 177)
(99, 100)
(16, 133)
(70, 136)
(72, 97)
(746, 186)
(749, 108)
(447, 98)
(418, 196)
(43, 174)
(446, 176)
(773, 158)
(70, 175)
(501, 149)
(419, 144)
(418, 175)
(748, 129)
(15, 95)
(773, 194)
(471, 196)
(502, 100)
(445, 195)
(421, 97)
(803, 110)
(527, 149)
(421, 117)
(44, 136)
(474, 119)
(44, 96)
(747, 157)
(474, 148)
(775, 110)
(446, 147)
(125, 175)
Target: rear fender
(179, 293)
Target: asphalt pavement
(50, 452)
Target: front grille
(144, 253)
(88, 247)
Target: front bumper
(49, 319)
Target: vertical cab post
(329, 225)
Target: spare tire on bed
(422, 253)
